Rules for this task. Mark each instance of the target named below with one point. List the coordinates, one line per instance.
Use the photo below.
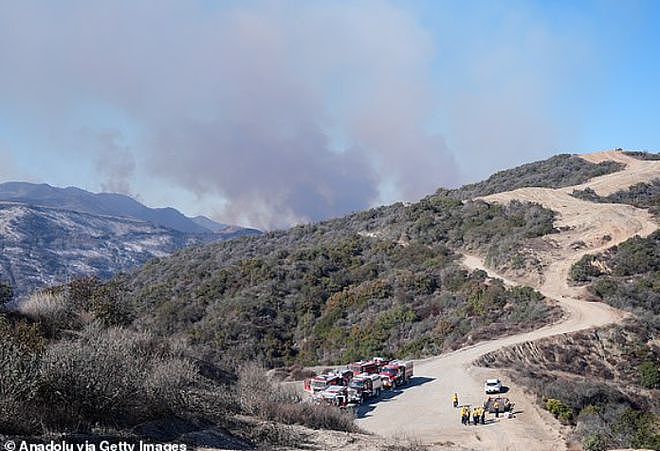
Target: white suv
(493, 386)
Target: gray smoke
(283, 112)
(113, 161)
(287, 112)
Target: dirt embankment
(601, 355)
(423, 410)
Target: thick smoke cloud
(288, 112)
(274, 113)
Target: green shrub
(641, 428)
(325, 292)
(640, 195)
(643, 155)
(560, 410)
(594, 442)
(585, 269)
(634, 280)
(649, 375)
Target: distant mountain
(42, 246)
(106, 204)
(49, 235)
(210, 224)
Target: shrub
(51, 309)
(643, 155)
(274, 435)
(20, 381)
(111, 377)
(560, 410)
(594, 442)
(295, 297)
(257, 395)
(585, 269)
(110, 304)
(640, 195)
(405, 443)
(22, 344)
(649, 375)
(641, 429)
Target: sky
(274, 113)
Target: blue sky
(273, 113)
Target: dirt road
(423, 410)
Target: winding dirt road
(423, 411)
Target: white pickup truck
(493, 386)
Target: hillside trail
(423, 410)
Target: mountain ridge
(106, 204)
(51, 235)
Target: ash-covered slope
(42, 246)
(49, 235)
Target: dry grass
(51, 309)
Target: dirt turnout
(423, 411)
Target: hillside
(549, 364)
(49, 235)
(605, 383)
(42, 246)
(555, 172)
(297, 296)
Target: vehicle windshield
(492, 383)
(318, 384)
(357, 384)
(389, 371)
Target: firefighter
(475, 416)
(496, 406)
(482, 416)
(454, 400)
(465, 415)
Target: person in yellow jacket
(454, 400)
(476, 413)
(496, 407)
(465, 415)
